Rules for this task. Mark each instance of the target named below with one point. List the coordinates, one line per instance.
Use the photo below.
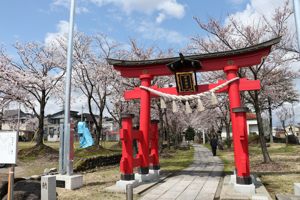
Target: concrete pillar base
(241, 188)
(122, 184)
(153, 175)
(48, 187)
(297, 189)
(70, 182)
(245, 189)
(154, 172)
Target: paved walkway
(199, 181)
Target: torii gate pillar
(239, 130)
(145, 124)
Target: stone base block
(297, 189)
(231, 190)
(259, 197)
(48, 187)
(154, 173)
(147, 177)
(71, 182)
(244, 189)
(122, 184)
(232, 179)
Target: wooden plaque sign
(8, 144)
(186, 82)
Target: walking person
(214, 145)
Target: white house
(111, 129)
(28, 123)
(251, 125)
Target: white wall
(251, 127)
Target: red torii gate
(229, 62)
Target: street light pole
(297, 19)
(68, 163)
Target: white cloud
(154, 32)
(165, 8)
(62, 29)
(66, 4)
(251, 14)
(160, 18)
(236, 2)
(255, 9)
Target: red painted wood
(72, 132)
(239, 129)
(144, 121)
(154, 144)
(208, 64)
(136, 134)
(244, 85)
(126, 163)
(137, 162)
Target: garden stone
(27, 190)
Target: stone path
(199, 181)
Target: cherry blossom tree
(92, 74)
(31, 78)
(273, 71)
(285, 113)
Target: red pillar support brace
(239, 130)
(145, 124)
(126, 163)
(154, 145)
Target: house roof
(10, 114)
(86, 117)
(251, 116)
(54, 115)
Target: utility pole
(82, 113)
(68, 164)
(297, 19)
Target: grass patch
(95, 182)
(279, 176)
(33, 160)
(276, 148)
(227, 157)
(92, 152)
(176, 160)
(94, 185)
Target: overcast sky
(165, 23)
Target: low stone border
(97, 161)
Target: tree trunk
(1, 116)
(40, 131)
(228, 138)
(263, 145)
(94, 120)
(101, 135)
(98, 134)
(167, 131)
(285, 133)
(176, 141)
(161, 129)
(270, 119)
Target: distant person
(214, 145)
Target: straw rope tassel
(200, 106)
(162, 103)
(187, 107)
(214, 100)
(174, 106)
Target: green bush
(190, 133)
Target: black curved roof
(116, 62)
